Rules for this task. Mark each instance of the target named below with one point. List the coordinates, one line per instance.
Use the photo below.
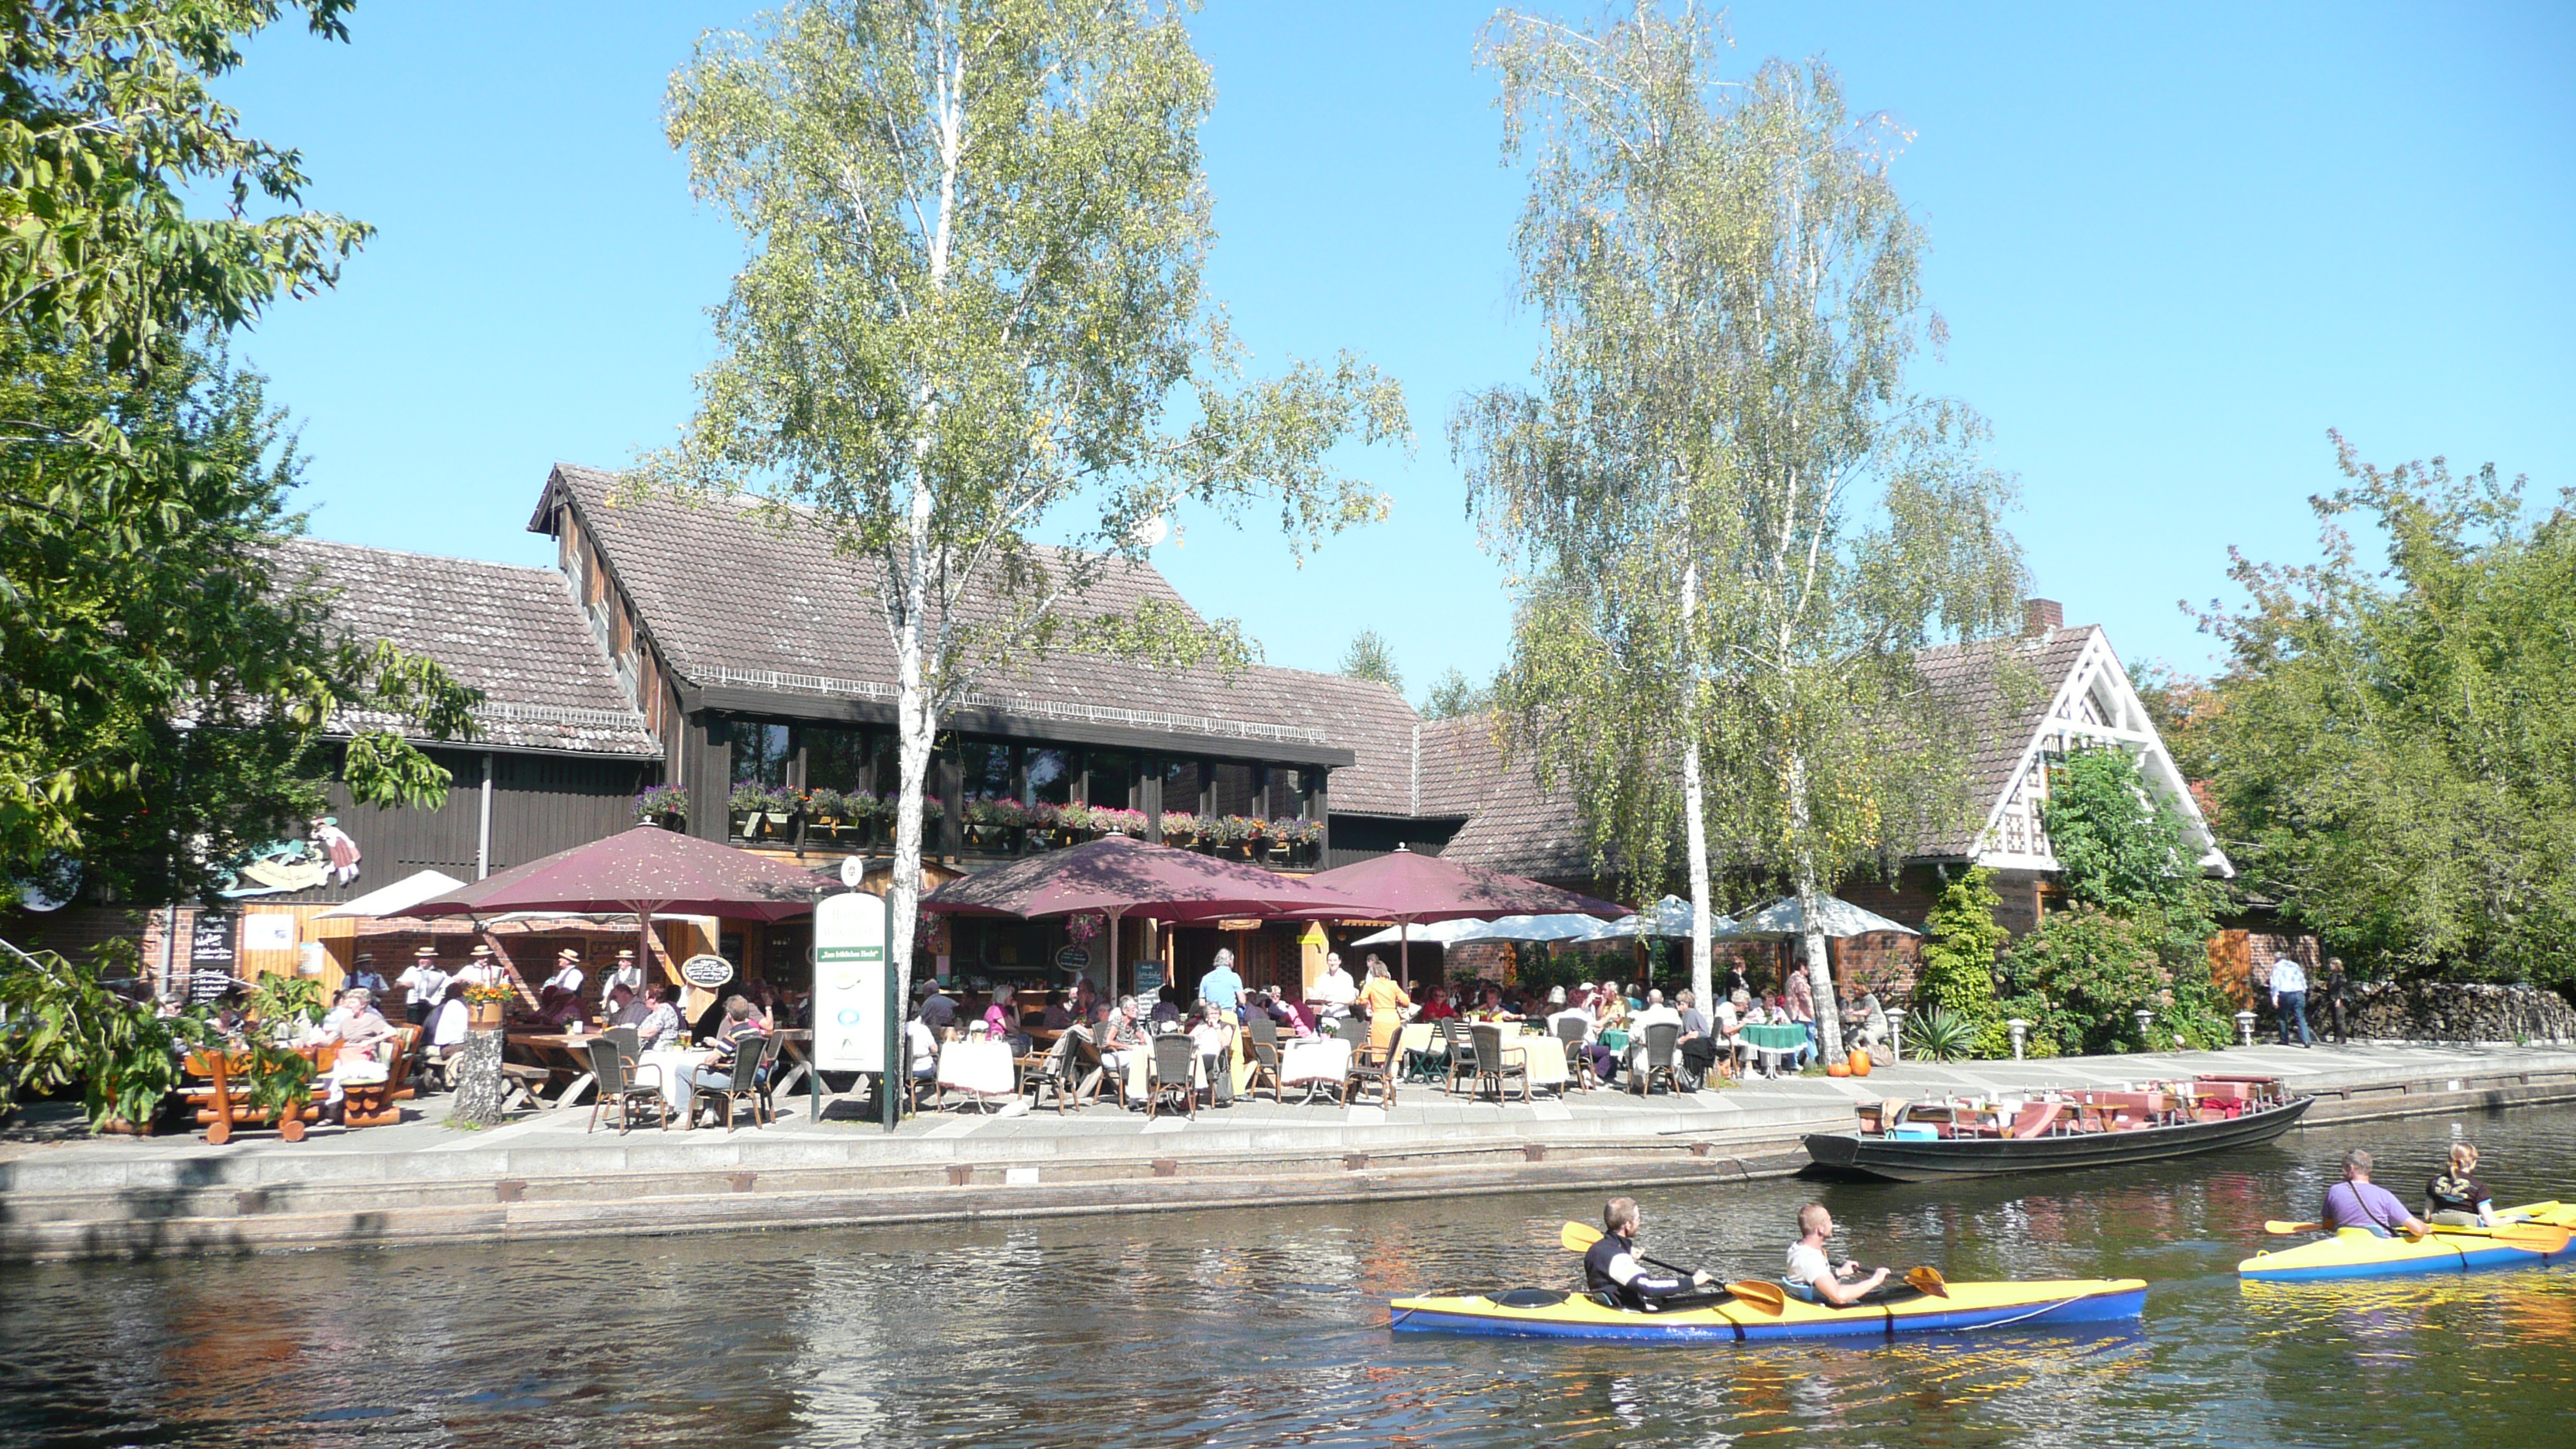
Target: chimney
(2041, 618)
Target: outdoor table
(220, 1112)
(792, 1043)
(981, 1069)
(1545, 1057)
(670, 1060)
(1310, 1062)
(561, 1054)
(1771, 1043)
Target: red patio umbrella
(1405, 888)
(642, 870)
(1116, 877)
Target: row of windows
(837, 757)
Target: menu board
(211, 956)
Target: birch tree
(1732, 523)
(971, 322)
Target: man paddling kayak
(2356, 1202)
(1611, 1265)
(1812, 1274)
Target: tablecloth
(978, 1068)
(670, 1060)
(1314, 1059)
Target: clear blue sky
(2174, 244)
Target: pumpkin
(1837, 1069)
(1860, 1063)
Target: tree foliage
(2393, 751)
(164, 694)
(1961, 941)
(1370, 658)
(1454, 695)
(971, 324)
(2138, 932)
(1732, 524)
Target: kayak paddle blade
(1769, 1297)
(1928, 1280)
(1577, 1238)
(2278, 1226)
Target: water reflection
(1269, 1329)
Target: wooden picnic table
(217, 1109)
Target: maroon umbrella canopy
(645, 870)
(1403, 886)
(1116, 876)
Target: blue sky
(2174, 246)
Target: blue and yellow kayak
(2360, 1253)
(1543, 1313)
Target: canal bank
(546, 1176)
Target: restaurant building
(704, 664)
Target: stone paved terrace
(544, 1174)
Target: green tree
(165, 695)
(2138, 932)
(2394, 751)
(1960, 944)
(1453, 695)
(971, 320)
(1731, 523)
(1370, 658)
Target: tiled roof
(729, 596)
(510, 631)
(2003, 687)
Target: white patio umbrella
(411, 890)
(1556, 928)
(1669, 918)
(1835, 917)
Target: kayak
(1545, 1313)
(2360, 1253)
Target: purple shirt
(2364, 1205)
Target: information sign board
(849, 983)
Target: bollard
(2146, 1028)
(2245, 1025)
(1896, 1034)
(2018, 1028)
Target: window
(1181, 780)
(1110, 780)
(1234, 789)
(986, 766)
(835, 758)
(760, 753)
(1050, 775)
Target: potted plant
(1233, 834)
(484, 1005)
(1042, 827)
(874, 815)
(1109, 820)
(990, 824)
(1180, 828)
(663, 805)
(64, 1024)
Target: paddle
(1928, 1280)
(2532, 1237)
(1576, 1238)
(1769, 1297)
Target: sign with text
(1149, 977)
(211, 955)
(1072, 958)
(849, 983)
(707, 973)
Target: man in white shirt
(1656, 1013)
(1334, 991)
(568, 974)
(2290, 998)
(481, 969)
(1814, 1270)
(424, 984)
(627, 974)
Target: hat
(482, 950)
(428, 951)
(573, 952)
(366, 955)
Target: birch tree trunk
(1694, 802)
(1820, 975)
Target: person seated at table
(1868, 1024)
(1698, 1045)
(1656, 1013)
(1002, 1020)
(715, 1070)
(231, 1018)
(796, 1008)
(1127, 1035)
(1167, 1006)
(449, 1024)
(559, 1008)
(624, 1009)
(1055, 1017)
(937, 1009)
(921, 1052)
(1213, 1032)
(1730, 1024)
(1436, 1006)
(2356, 1202)
(1814, 1276)
(1085, 998)
(660, 1025)
(363, 1035)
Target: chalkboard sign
(1072, 958)
(211, 957)
(707, 973)
(1149, 977)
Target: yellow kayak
(1545, 1313)
(2361, 1253)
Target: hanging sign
(1247, 923)
(849, 983)
(1072, 958)
(707, 973)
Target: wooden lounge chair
(373, 1104)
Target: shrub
(1942, 1035)
(1960, 944)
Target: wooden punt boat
(1544, 1313)
(1900, 1143)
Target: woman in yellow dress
(1385, 1003)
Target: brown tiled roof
(510, 631)
(1520, 827)
(729, 596)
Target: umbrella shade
(411, 890)
(644, 870)
(1119, 876)
(1412, 887)
(1557, 928)
(1782, 920)
(1669, 918)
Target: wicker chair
(1578, 1061)
(750, 1064)
(1172, 1071)
(1462, 1050)
(1660, 1056)
(621, 1085)
(1495, 1065)
(1264, 1045)
(1368, 1066)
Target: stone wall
(2440, 1011)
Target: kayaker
(2356, 1203)
(1813, 1270)
(1611, 1266)
(2457, 1199)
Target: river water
(1262, 1327)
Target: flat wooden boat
(2091, 1129)
(1544, 1313)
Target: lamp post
(2019, 1029)
(2146, 1026)
(2245, 1026)
(1896, 1034)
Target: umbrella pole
(1404, 952)
(1114, 918)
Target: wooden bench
(375, 1104)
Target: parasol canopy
(1783, 921)
(411, 890)
(1556, 928)
(1670, 919)
(644, 870)
(1413, 889)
